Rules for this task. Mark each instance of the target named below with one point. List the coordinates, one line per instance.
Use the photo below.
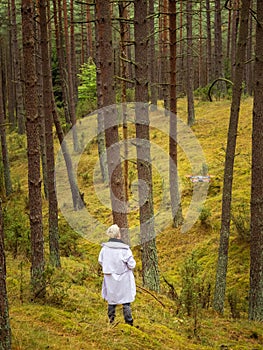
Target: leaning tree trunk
(256, 245)
(5, 334)
(220, 287)
(33, 151)
(144, 166)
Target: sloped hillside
(180, 317)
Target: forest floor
(180, 317)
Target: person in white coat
(117, 263)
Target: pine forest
(131, 134)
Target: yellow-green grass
(74, 315)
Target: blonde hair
(113, 231)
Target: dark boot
(111, 312)
(127, 314)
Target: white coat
(117, 264)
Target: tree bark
(256, 246)
(152, 56)
(189, 64)
(4, 150)
(220, 287)
(208, 42)
(218, 61)
(33, 151)
(10, 74)
(144, 166)
(70, 83)
(5, 334)
(47, 99)
(17, 73)
(124, 31)
(57, 10)
(107, 91)
(177, 214)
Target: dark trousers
(126, 312)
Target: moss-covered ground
(73, 315)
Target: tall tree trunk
(256, 246)
(41, 106)
(144, 166)
(73, 53)
(17, 73)
(5, 334)
(201, 66)
(218, 50)
(249, 65)
(117, 195)
(152, 56)
(47, 99)
(164, 45)
(89, 33)
(208, 42)
(72, 107)
(124, 31)
(33, 151)
(189, 63)
(235, 20)
(173, 176)
(220, 287)
(10, 74)
(100, 118)
(5, 158)
(60, 56)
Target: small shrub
(233, 300)
(241, 220)
(17, 232)
(68, 241)
(205, 215)
(190, 296)
(202, 93)
(57, 284)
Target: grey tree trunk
(256, 246)
(220, 287)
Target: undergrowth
(73, 315)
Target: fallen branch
(147, 291)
